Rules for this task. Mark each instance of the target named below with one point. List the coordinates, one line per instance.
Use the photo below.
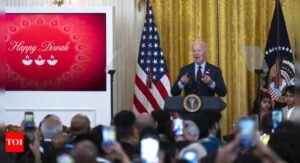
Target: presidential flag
(152, 84)
(278, 56)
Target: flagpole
(278, 57)
(258, 72)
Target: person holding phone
(200, 77)
(29, 125)
(125, 122)
(109, 137)
(212, 142)
(50, 127)
(231, 152)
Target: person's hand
(113, 148)
(22, 126)
(35, 147)
(185, 79)
(178, 138)
(229, 152)
(207, 79)
(2, 129)
(116, 152)
(265, 153)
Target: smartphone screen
(178, 126)
(69, 146)
(28, 117)
(109, 135)
(149, 150)
(191, 156)
(29, 125)
(64, 158)
(29, 120)
(276, 118)
(247, 129)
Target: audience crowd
(152, 138)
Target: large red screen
(60, 52)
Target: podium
(175, 104)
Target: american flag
(152, 84)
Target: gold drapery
(227, 26)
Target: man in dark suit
(200, 77)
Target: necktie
(199, 73)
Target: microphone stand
(111, 73)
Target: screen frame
(95, 103)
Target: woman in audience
(262, 106)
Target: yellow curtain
(228, 26)
(245, 24)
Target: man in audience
(162, 118)
(125, 127)
(80, 124)
(289, 112)
(97, 137)
(84, 152)
(190, 135)
(212, 143)
(60, 140)
(60, 146)
(202, 123)
(167, 151)
(189, 140)
(50, 127)
(145, 120)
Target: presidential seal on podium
(192, 103)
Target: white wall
(64, 104)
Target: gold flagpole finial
(140, 3)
